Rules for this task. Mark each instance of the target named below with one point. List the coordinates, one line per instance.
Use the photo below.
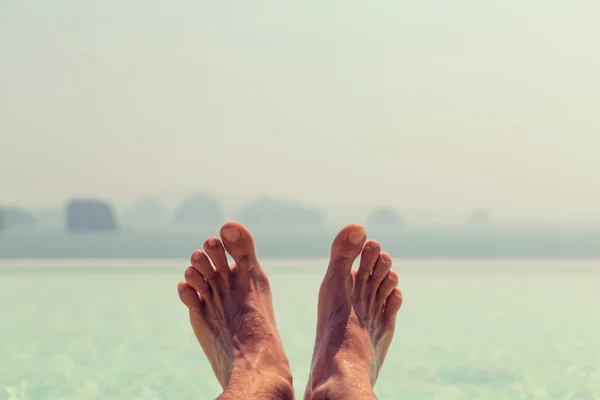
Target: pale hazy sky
(429, 106)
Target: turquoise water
(468, 330)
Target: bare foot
(356, 319)
(231, 311)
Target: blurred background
(463, 135)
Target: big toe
(346, 246)
(239, 243)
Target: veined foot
(356, 319)
(231, 312)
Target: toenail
(232, 235)
(196, 256)
(190, 271)
(356, 237)
(212, 242)
(386, 258)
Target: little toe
(189, 296)
(215, 250)
(368, 258)
(392, 305)
(383, 265)
(346, 246)
(386, 287)
(239, 243)
(201, 262)
(197, 281)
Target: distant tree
(16, 218)
(90, 216)
(385, 217)
(479, 218)
(200, 210)
(271, 212)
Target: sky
(435, 108)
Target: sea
(468, 329)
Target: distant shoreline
(483, 243)
(405, 266)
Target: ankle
(263, 388)
(261, 382)
(342, 375)
(335, 388)
(342, 368)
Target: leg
(231, 312)
(356, 319)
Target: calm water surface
(95, 329)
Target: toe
(201, 262)
(214, 248)
(383, 265)
(345, 248)
(392, 305)
(189, 296)
(386, 287)
(368, 258)
(238, 242)
(197, 281)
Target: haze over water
(433, 108)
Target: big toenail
(212, 242)
(356, 237)
(196, 256)
(232, 235)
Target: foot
(356, 319)
(231, 312)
